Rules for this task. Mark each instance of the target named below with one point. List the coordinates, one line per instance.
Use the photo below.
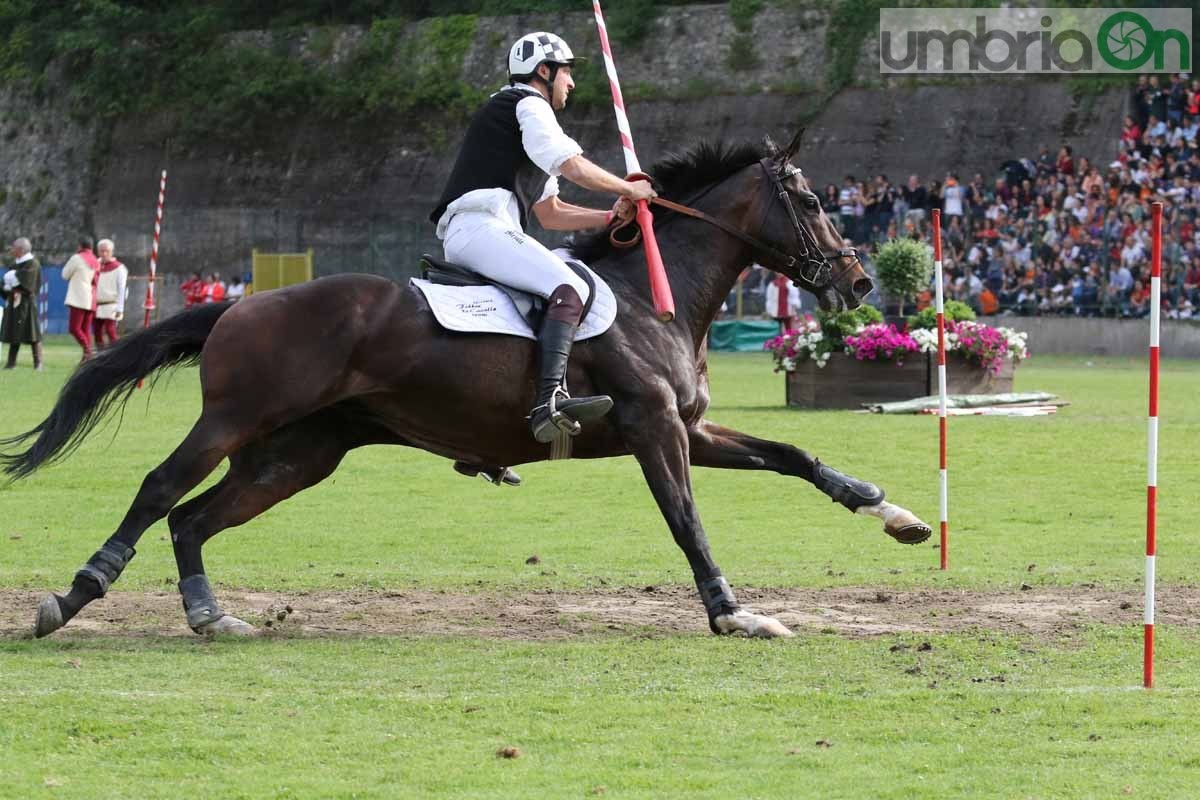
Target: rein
(818, 261)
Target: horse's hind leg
(723, 448)
(264, 472)
(210, 440)
(660, 444)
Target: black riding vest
(492, 156)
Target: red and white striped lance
(944, 491)
(1156, 210)
(610, 66)
(660, 289)
(158, 218)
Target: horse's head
(794, 224)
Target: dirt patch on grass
(1042, 612)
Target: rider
(511, 157)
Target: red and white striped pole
(158, 216)
(1156, 210)
(162, 193)
(944, 492)
(660, 289)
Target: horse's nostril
(862, 287)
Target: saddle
(530, 306)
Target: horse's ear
(794, 147)
(772, 148)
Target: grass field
(903, 681)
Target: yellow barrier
(276, 270)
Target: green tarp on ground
(742, 336)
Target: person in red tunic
(783, 303)
(188, 289)
(214, 290)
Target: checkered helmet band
(534, 49)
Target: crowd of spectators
(1057, 233)
(211, 289)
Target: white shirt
(546, 145)
(772, 300)
(952, 200)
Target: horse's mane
(678, 175)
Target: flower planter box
(846, 382)
(963, 377)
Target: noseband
(815, 265)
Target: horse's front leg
(716, 446)
(661, 447)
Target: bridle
(813, 264)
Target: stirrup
(560, 420)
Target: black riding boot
(12, 355)
(555, 411)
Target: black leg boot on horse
(555, 412)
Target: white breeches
(501, 251)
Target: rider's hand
(623, 210)
(639, 190)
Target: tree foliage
(126, 57)
(904, 267)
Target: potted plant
(904, 267)
(848, 359)
(980, 359)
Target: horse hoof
(913, 533)
(49, 616)
(756, 625)
(899, 523)
(228, 625)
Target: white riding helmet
(535, 49)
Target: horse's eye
(811, 203)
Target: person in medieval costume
(783, 303)
(80, 273)
(508, 167)
(21, 324)
(110, 294)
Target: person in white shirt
(783, 303)
(511, 157)
(111, 289)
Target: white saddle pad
(489, 309)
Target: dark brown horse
(294, 379)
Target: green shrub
(926, 318)
(904, 267)
(743, 53)
(742, 12)
(837, 327)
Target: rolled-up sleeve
(550, 190)
(542, 136)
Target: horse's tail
(108, 380)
